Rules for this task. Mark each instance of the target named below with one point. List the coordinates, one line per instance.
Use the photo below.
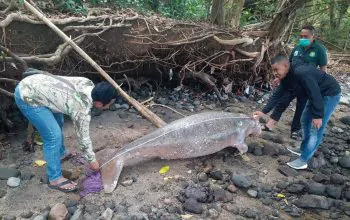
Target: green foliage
(73, 6)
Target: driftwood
(144, 111)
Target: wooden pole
(143, 110)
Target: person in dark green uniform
(312, 52)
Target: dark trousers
(301, 103)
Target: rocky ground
(219, 186)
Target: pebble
(13, 182)
(252, 193)
(213, 214)
(251, 213)
(313, 201)
(231, 188)
(6, 173)
(334, 160)
(78, 215)
(191, 205)
(222, 195)
(241, 181)
(127, 182)
(334, 191)
(216, 175)
(167, 201)
(202, 177)
(270, 149)
(344, 162)
(27, 214)
(337, 130)
(2, 193)
(39, 217)
(58, 211)
(107, 214)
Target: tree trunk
(233, 12)
(332, 20)
(284, 19)
(218, 12)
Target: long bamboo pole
(143, 110)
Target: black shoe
(295, 135)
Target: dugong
(193, 136)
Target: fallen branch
(9, 80)
(248, 54)
(245, 41)
(164, 106)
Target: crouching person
(323, 93)
(43, 98)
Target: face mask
(304, 42)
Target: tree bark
(284, 19)
(233, 12)
(218, 12)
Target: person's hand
(258, 114)
(275, 82)
(317, 123)
(94, 165)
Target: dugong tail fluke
(193, 136)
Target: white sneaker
(297, 164)
(295, 151)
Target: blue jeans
(313, 137)
(50, 128)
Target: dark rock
(241, 181)
(72, 209)
(191, 205)
(222, 195)
(337, 179)
(70, 203)
(216, 175)
(270, 149)
(295, 188)
(295, 212)
(198, 193)
(91, 208)
(251, 213)
(184, 184)
(287, 171)
(334, 191)
(282, 184)
(2, 193)
(267, 201)
(334, 160)
(27, 214)
(344, 162)
(347, 194)
(273, 138)
(253, 145)
(320, 178)
(313, 201)
(6, 173)
(109, 204)
(316, 188)
(202, 177)
(258, 151)
(345, 120)
(96, 112)
(77, 215)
